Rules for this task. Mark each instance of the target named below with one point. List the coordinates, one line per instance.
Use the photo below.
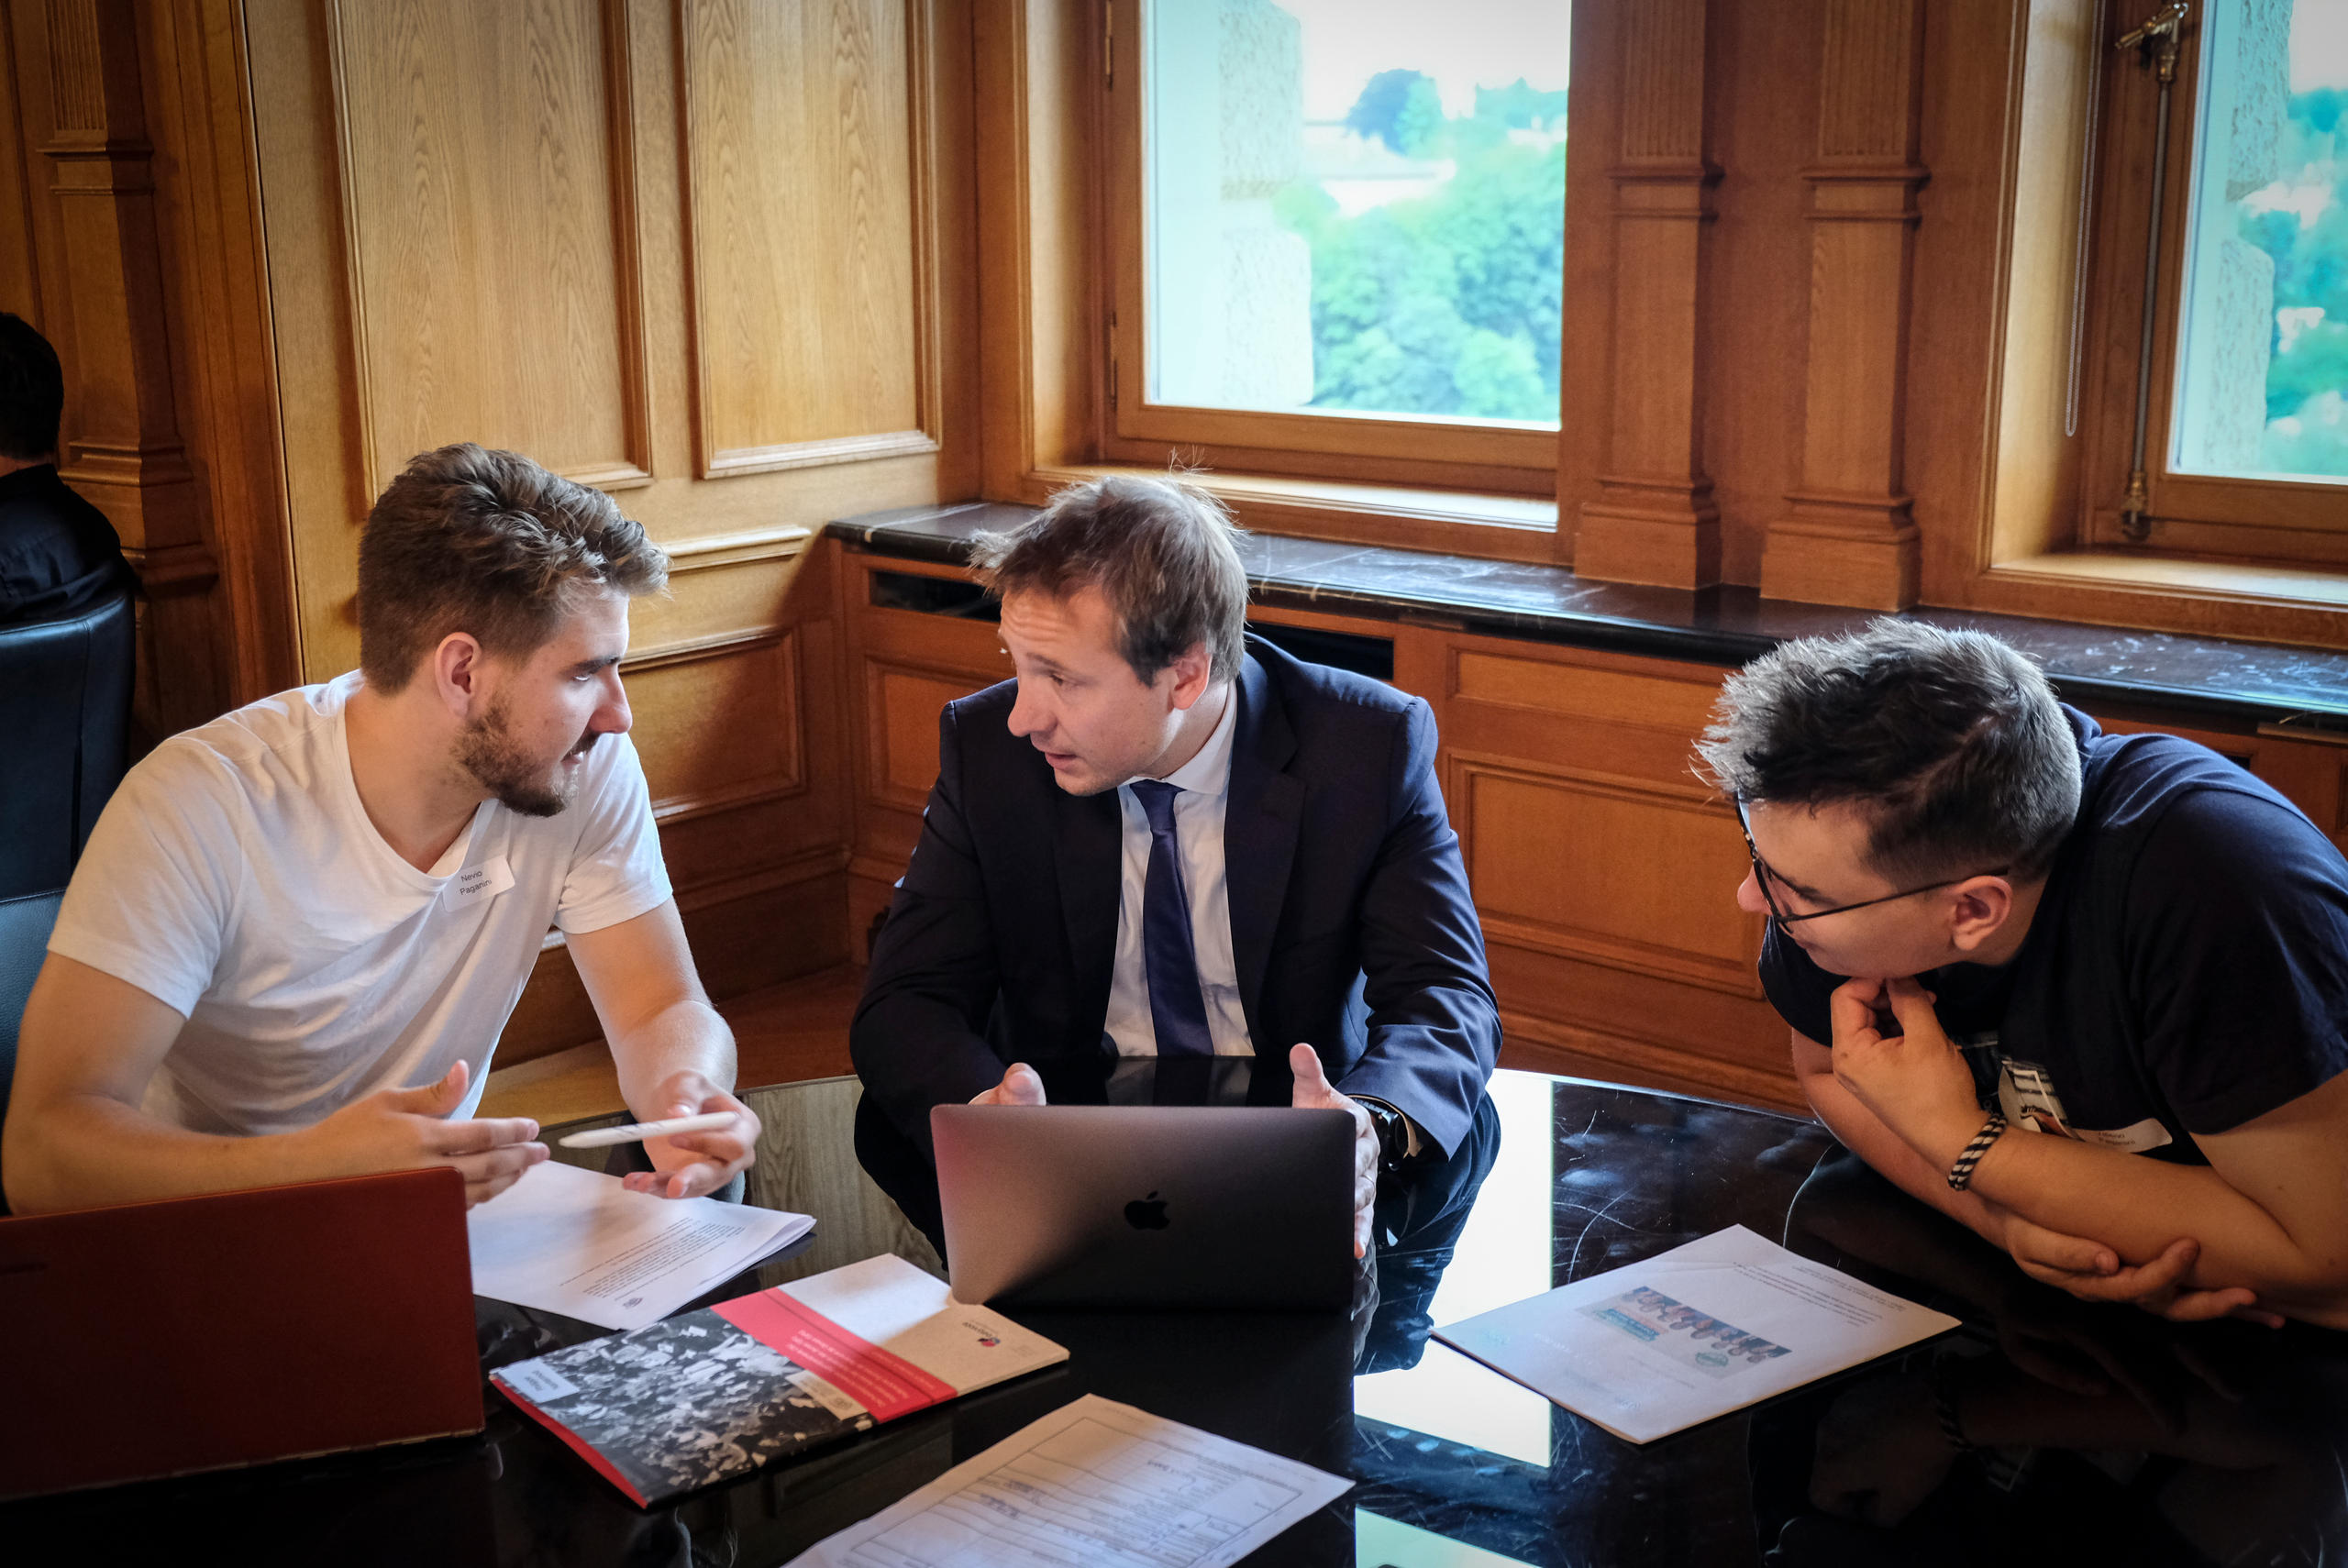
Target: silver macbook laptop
(1146, 1206)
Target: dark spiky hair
(1949, 743)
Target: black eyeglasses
(1763, 876)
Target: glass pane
(1356, 205)
(2261, 386)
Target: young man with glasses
(2086, 993)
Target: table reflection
(2048, 1429)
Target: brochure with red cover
(708, 1396)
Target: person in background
(59, 555)
(296, 933)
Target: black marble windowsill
(2097, 666)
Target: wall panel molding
(901, 726)
(1846, 535)
(96, 280)
(1654, 520)
(1542, 1044)
(479, 306)
(812, 230)
(1649, 914)
(723, 723)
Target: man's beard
(487, 750)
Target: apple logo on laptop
(1146, 1214)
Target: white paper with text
(1094, 1483)
(576, 1242)
(1704, 1329)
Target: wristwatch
(1394, 1134)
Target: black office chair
(66, 714)
(25, 925)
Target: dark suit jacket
(59, 555)
(1351, 925)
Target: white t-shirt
(236, 878)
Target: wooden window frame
(1424, 453)
(2267, 522)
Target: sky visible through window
(1388, 236)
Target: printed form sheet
(1094, 1485)
(578, 1242)
(1695, 1333)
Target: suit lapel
(1261, 819)
(1087, 848)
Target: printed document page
(1094, 1483)
(576, 1242)
(1695, 1333)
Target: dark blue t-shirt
(2187, 970)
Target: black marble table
(2100, 667)
(2095, 1435)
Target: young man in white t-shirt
(295, 935)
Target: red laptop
(157, 1339)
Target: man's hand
(1915, 1082)
(2092, 1272)
(408, 1129)
(693, 1164)
(1019, 1086)
(1313, 1093)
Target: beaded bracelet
(1960, 1175)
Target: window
(2264, 362)
(2247, 430)
(1337, 234)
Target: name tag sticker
(479, 884)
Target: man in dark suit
(1166, 838)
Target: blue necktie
(1178, 1008)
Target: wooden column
(104, 299)
(1847, 537)
(1654, 521)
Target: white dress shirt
(1205, 785)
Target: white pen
(636, 1131)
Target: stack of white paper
(575, 1242)
(1695, 1333)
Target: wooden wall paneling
(452, 254)
(490, 232)
(1765, 134)
(103, 302)
(901, 668)
(1847, 537)
(902, 704)
(194, 64)
(1584, 866)
(19, 263)
(812, 229)
(1603, 868)
(1655, 521)
(1613, 1038)
(315, 386)
(718, 721)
